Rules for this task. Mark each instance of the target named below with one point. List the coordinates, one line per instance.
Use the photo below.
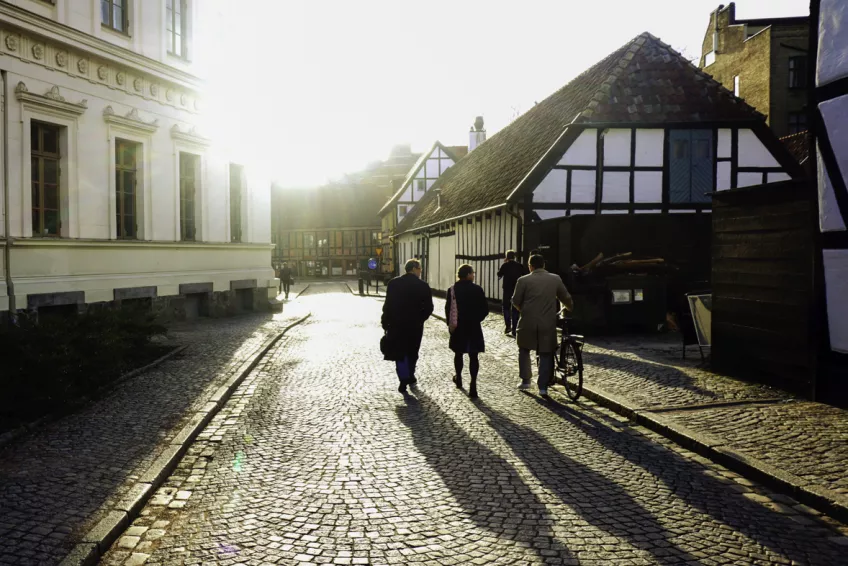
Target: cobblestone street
(317, 459)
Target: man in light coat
(536, 298)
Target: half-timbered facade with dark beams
(830, 126)
(623, 158)
(420, 178)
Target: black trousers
(285, 287)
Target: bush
(49, 363)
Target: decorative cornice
(132, 120)
(51, 99)
(190, 136)
(50, 29)
(78, 63)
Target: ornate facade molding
(131, 121)
(189, 136)
(80, 64)
(51, 99)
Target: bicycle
(568, 361)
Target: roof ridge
(632, 47)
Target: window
(235, 202)
(188, 195)
(420, 185)
(798, 71)
(621, 296)
(402, 210)
(736, 85)
(44, 144)
(375, 237)
(691, 166)
(797, 122)
(349, 241)
(309, 240)
(126, 181)
(176, 18)
(113, 14)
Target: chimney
(477, 134)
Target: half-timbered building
(622, 158)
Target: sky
(306, 90)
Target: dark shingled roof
(645, 81)
(798, 145)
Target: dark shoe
(402, 387)
(507, 331)
(472, 391)
(412, 381)
(458, 381)
(513, 333)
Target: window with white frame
(126, 188)
(189, 177)
(46, 193)
(113, 14)
(176, 26)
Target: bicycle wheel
(572, 370)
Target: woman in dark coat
(467, 337)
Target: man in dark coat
(409, 303)
(509, 272)
(536, 297)
(285, 279)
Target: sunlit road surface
(317, 459)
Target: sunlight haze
(339, 83)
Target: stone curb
(824, 500)
(8, 437)
(99, 539)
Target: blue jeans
(510, 314)
(406, 368)
(546, 367)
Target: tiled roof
(798, 145)
(645, 81)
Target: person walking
(534, 298)
(466, 307)
(509, 272)
(408, 305)
(285, 279)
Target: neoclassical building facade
(111, 190)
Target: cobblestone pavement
(809, 440)
(317, 459)
(56, 482)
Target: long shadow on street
(768, 528)
(488, 488)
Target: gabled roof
(414, 170)
(798, 145)
(643, 82)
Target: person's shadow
(488, 489)
(601, 502)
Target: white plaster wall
(749, 179)
(777, 177)
(445, 163)
(582, 186)
(647, 186)
(725, 146)
(584, 150)
(617, 147)
(548, 214)
(432, 168)
(836, 281)
(833, 41)
(447, 259)
(834, 113)
(830, 219)
(552, 188)
(616, 187)
(649, 147)
(752, 153)
(723, 175)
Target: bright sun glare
(306, 90)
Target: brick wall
(786, 42)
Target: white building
(623, 158)
(111, 192)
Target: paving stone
(322, 461)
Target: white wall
(584, 150)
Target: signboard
(379, 252)
(372, 264)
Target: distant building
(329, 231)
(111, 193)
(763, 61)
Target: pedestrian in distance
(465, 309)
(285, 279)
(509, 272)
(536, 298)
(408, 305)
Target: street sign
(379, 252)
(372, 264)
